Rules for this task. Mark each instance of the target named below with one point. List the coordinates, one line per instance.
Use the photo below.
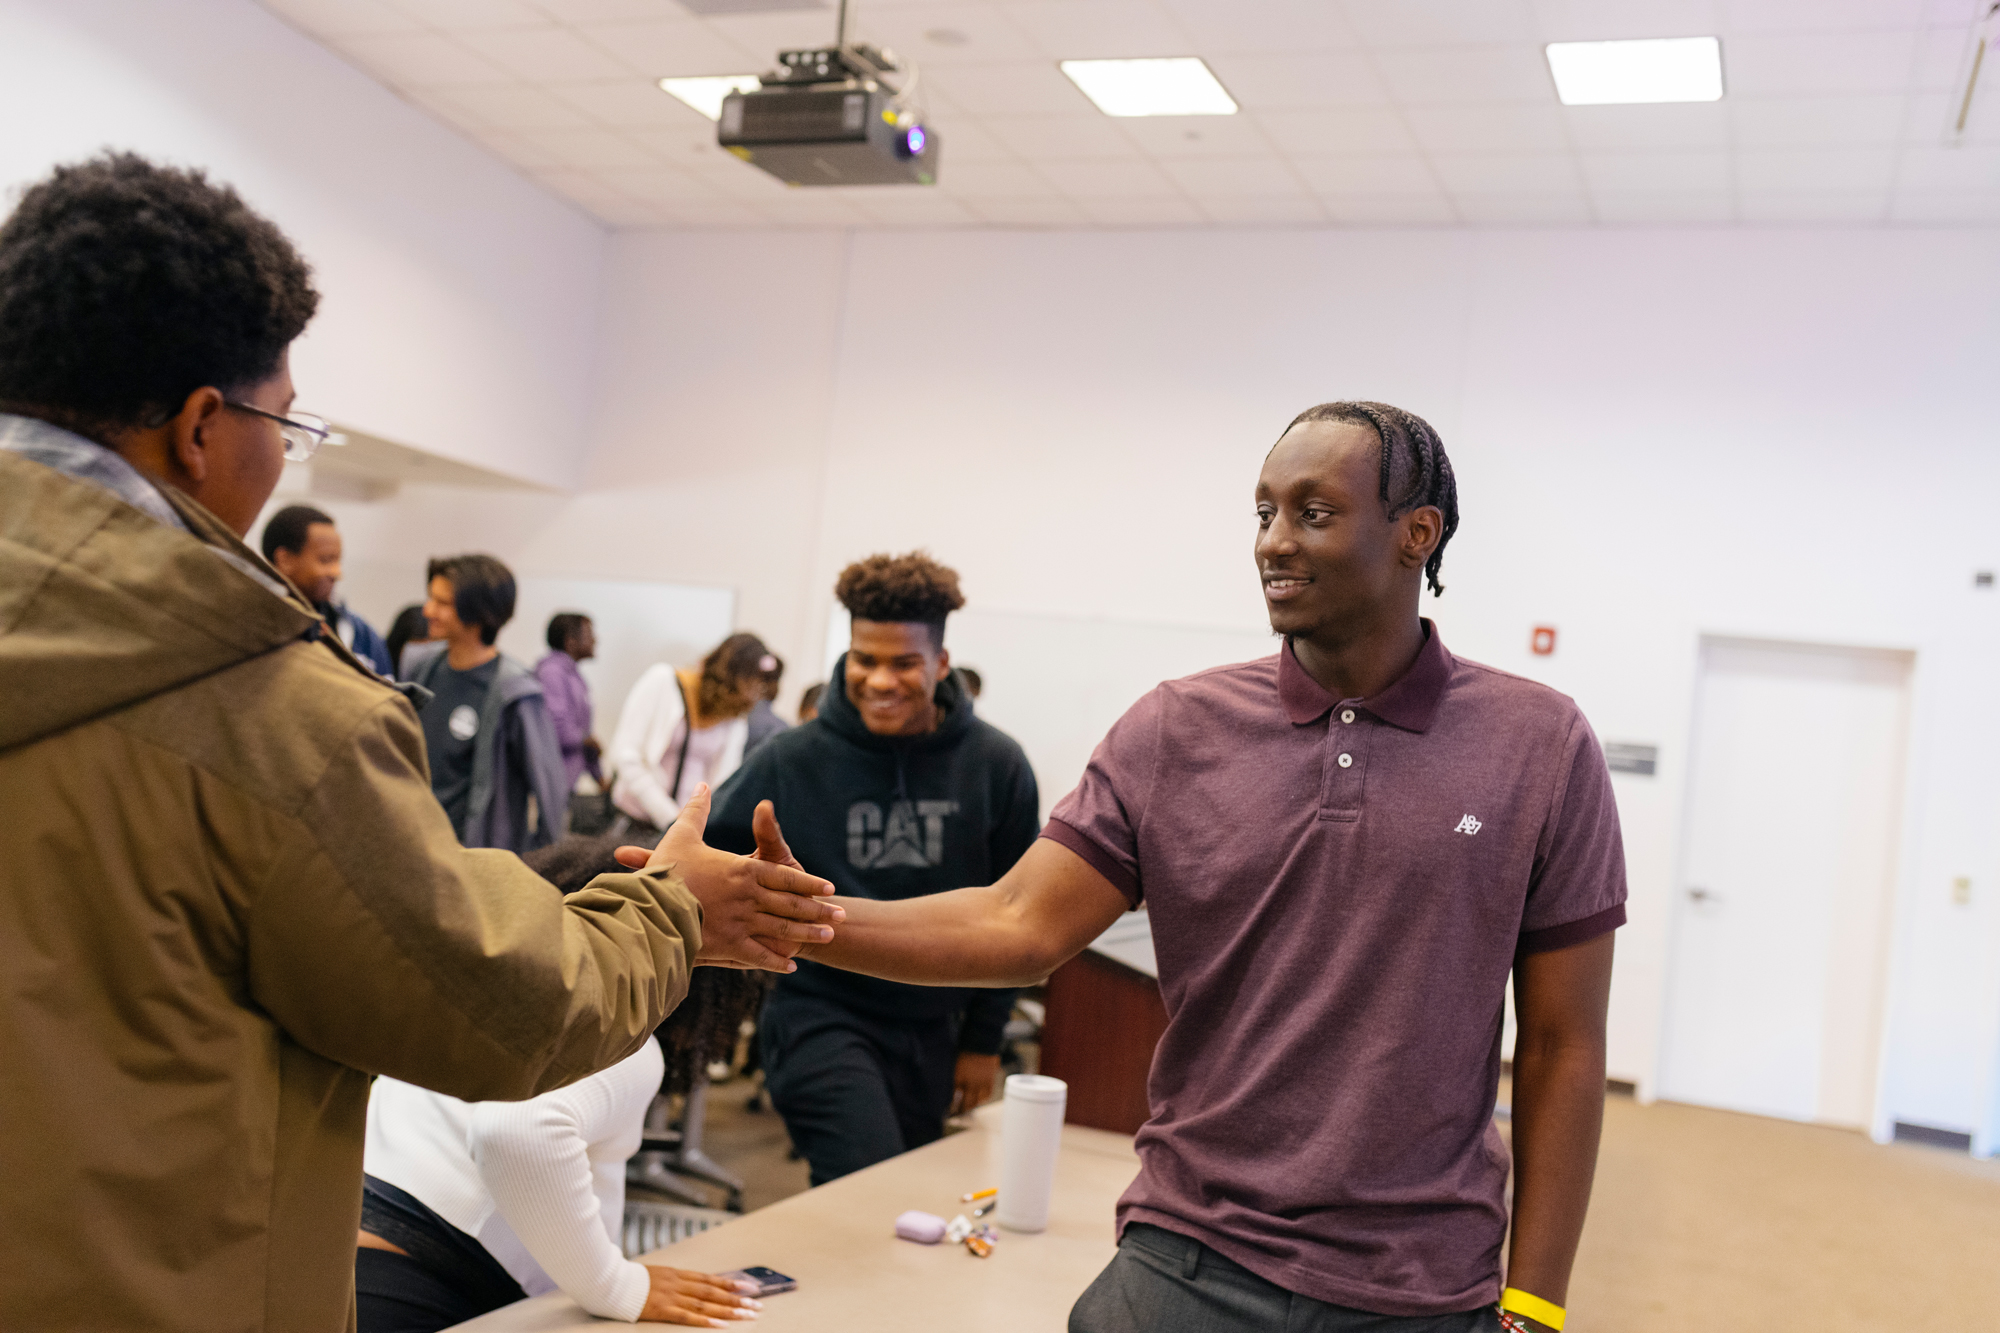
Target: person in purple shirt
(572, 639)
(1348, 850)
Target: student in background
(410, 626)
(809, 702)
(303, 544)
(764, 720)
(572, 639)
(897, 791)
(974, 682)
(679, 729)
(496, 766)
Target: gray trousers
(1164, 1283)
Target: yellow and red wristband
(1515, 1301)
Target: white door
(1775, 989)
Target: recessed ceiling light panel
(1181, 86)
(1654, 69)
(705, 94)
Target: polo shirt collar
(1410, 702)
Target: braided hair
(1415, 471)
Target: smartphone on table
(768, 1281)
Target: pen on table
(985, 1208)
(977, 1195)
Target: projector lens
(916, 140)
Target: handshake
(756, 911)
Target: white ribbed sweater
(540, 1183)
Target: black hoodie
(892, 817)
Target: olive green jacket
(227, 898)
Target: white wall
(1657, 434)
(460, 301)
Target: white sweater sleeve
(535, 1159)
(645, 724)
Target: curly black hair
(900, 589)
(703, 1028)
(125, 286)
(1415, 470)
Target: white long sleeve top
(646, 748)
(539, 1183)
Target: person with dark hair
(1346, 849)
(572, 640)
(974, 682)
(681, 729)
(229, 897)
(496, 765)
(809, 701)
(902, 792)
(303, 544)
(764, 720)
(410, 626)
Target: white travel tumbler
(1031, 1121)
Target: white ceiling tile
(676, 47)
(1847, 62)
(1244, 210)
(1223, 27)
(344, 18)
(1348, 130)
(1537, 207)
(1969, 206)
(1264, 177)
(801, 209)
(945, 34)
(464, 15)
(1383, 24)
(607, 11)
(785, 30)
(1029, 213)
(1801, 16)
(440, 103)
(592, 149)
(1030, 89)
(1934, 168)
(1811, 122)
(1505, 127)
(1656, 207)
(1169, 211)
(733, 216)
(1056, 138)
(622, 103)
(531, 157)
(1419, 208)
(424, 60)
(1509, 174)
(1815, 169)
(578, 186)
(1107, 180)
(1684, 125)
(547, 55)
(737, 180)
(1198, 136)
(1280, 81)
(1101, 29)
(1837, 206)
(1596, 21)
(998, 179)
(910, 207)
(1365, 175)
(680, 141)
(1637, 173)
(656, 183)
(1468, 74)
(964, 139)
(512, 107)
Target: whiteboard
(1057, 683)
(637, 624)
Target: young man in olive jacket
(897, 790)
(227, 896)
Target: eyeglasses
(304, 433)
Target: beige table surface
(839, 1242)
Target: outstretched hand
(756, 911)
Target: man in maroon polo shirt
(1346, 848)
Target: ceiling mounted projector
(839, 115)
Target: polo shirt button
(1347, 761)
(1347, 715)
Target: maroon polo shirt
(1338, 890)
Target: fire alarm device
(1544, 641)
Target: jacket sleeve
(376, 941)
(637, 783)
(542, 763)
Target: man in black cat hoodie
(894, 791)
